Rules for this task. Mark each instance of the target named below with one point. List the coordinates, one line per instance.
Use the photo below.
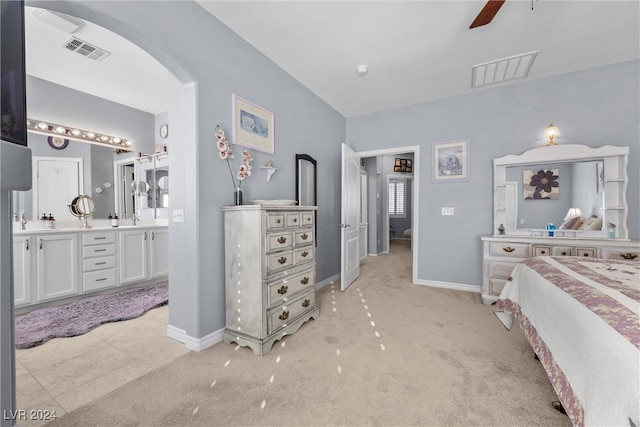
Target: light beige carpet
(384, 352)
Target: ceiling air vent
(74, 44)
(502, 70)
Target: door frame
(415, 194)
(34, 178)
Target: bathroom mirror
(593, 180)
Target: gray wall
(216, 64)
(594, 107)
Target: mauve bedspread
(581, 317)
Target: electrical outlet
(447, 211)
(178, 215)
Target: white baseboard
(448, 285)
(192, 343)
(328, 281)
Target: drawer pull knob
(563, 252)
(282, 240)
(100, 250)
(305, 303)
(304, 254)
(508, 249)
(629, 255)
(284, 315)
(283, 290)
(101, 263)
(543, 252)
(304, 281)
(101, 280)
(282, 259)
(295, 219)
(100, 238)
(278, 221)
(585, 254)
(305, 236)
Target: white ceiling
(416, 50)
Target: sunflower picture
(541, 184)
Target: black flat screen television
(13, 97)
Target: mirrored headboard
(541, 185)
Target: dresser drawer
(307, 218)
(279, 241)
(586, 252)
(561, 251)
(275, 220)
(520, 250)
(99, 279)
(98, 250)
(289, 286)
(279, 260)
(292, 219)
(303, 255)
(629, 254)
(541, 250)
(98, 238)
(500, 269)
(496, 286)
(98, 263)
(288, 311)
(303, 237)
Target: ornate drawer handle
(629, 255)
(304, 254)
(278, 221)
(304, 281)
(306, 303)
(282, 240)
(283, 290)
(284, 315)
(508, 249)
(282, 259)
(304, 236)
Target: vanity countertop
(37, 228)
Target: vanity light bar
(76, 134)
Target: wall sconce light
(269, 169)
(550, 133)
(56, 130)
(98, 190)
(107, 186)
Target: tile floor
(66, 373)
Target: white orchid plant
(224, 150)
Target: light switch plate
(447, 211)
(178, 215)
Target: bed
(581, 317)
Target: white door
(350, 216)
(57, 183)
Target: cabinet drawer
(98, 263)
(98, 250)
(307, 218)
(586, 252)
(287, 312)
(284, 288)
(275, 220)
(609, 253)
(303, 237)
(542, 250)
(561, 251)
(98, 238)
(279, 260)
(520, 250)
(500, 269)
(303, 255)
(279, 241)
(99, 279)
(292, 219)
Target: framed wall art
(403, 165)
(252, 126)
(450, 161)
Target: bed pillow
(592, 223)
(570, 224)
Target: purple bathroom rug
(80, 317)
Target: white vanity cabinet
(143, 254)
(270, 273)
(56, 266)
(98, 260)
(22, 270)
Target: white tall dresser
(270, 273)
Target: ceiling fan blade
(487, 13)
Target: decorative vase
(237, 196)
